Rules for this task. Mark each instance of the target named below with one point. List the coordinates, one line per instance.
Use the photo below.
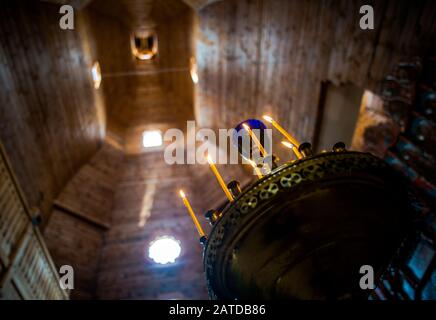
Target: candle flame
(287, 144)
(219, 178)
(252, 163)
(256, 169)
(255, 139)
(268, 118)
(209, 158)
(182, 194)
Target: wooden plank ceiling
(271, 56)
(144, 94)
(51, 118)
(254, 57)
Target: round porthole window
(164, 250)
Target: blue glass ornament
(240, 133)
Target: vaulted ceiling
(142, 94)
(107, 201)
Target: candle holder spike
(306, 149)
(339, 147)
(212, 216)
(203, 240)
(235, 188)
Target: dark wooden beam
(80, 215)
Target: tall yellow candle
(254, 138)
(256, 169)
(219, 178)
(191, 212)
(286, 134)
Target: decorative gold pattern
(291, 175)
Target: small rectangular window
(152, 138)
(144, 44)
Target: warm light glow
(182, 194)
(287, 135)
(194, 77)
(253, 164)
(144, 44)
(152, 138)
(288, 144)
(164, 250)
(256, 169)
(96, 74)
(219, 178)
(209, 158)
(268, 118)
(191, 213)
(148, 199)
(254, 138)
(193, 70)
(293, 148)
